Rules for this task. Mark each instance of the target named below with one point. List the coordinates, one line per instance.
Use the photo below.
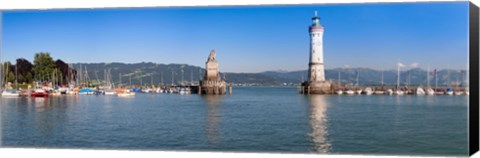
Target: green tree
(28, 77)
(43, 66)
(57, 75)
(21, 79)
(6, 70)
(11, 77)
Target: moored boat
(339, 92)
(449, 91)
(10, 93)
(350, 92)
(126, 94)
(39, 93)
(430, 91)
(86, 91)
(358, 91)
(458, 92)
(399, 92)
(389, 91)
(368, 91)
(420, 91)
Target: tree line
(43, 69)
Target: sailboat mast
(382, 78)
(448, 78)
(339, 79)
(357, 78)
(428, 76)
(398, 76)
(16, 75)
(436, 80)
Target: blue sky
(247, 38)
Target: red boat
(39, 93)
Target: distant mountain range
(147, 73)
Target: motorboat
(10, 93)
(186, 90)
(86, 91)
(339, 92)
(126, 94)
(350, 92)
(39, 93)
(109, 92)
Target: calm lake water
(253, 119)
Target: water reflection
(213, 117)
(318, 122)
(40, 103)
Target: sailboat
(339, 91)
(398, 91)
(358, 91)
(109, 84)
(380, 90)
(449, 90)
(10, 93)
(368, 91)
(429, 90)
(420, 91)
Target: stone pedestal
(317, 87)
(212, 83)
(215, 87)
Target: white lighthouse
(316, 69)
(316, 83)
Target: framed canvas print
(385, 78)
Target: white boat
(458, 92)
(185, 91)
(439, 93)
(379, 92)
(420, 91)
(368, 91)
(110, 92)
(430, 91)
(126, 94)
(339, 92)
(358, 91)
(389, 91)
(10, 94)
(399, 92)
(350, 92)
(449, 92)
(56, 93)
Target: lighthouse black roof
(316, 20)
